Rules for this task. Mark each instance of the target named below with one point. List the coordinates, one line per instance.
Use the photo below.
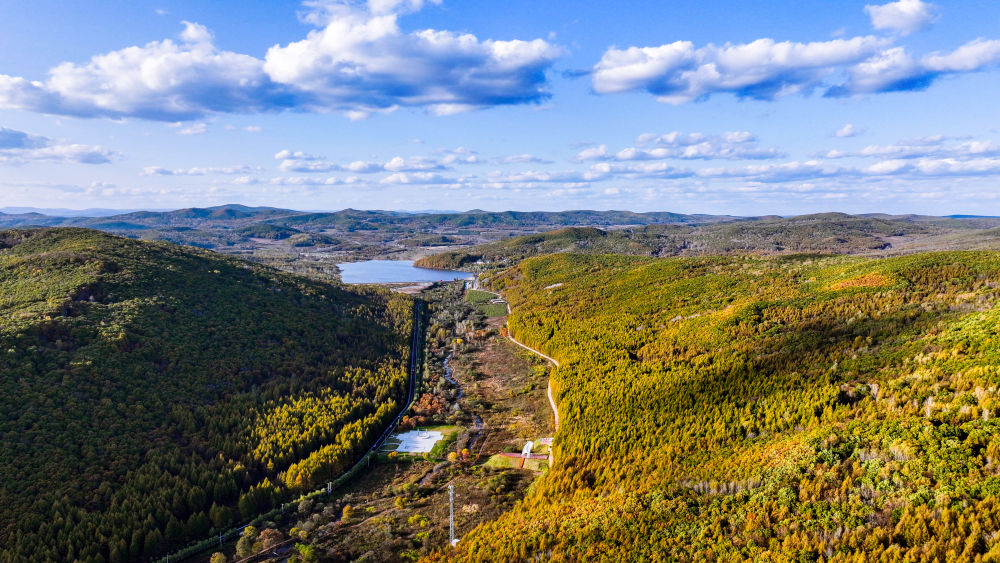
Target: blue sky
(689, 106)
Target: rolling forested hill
(313, 242)
(234, 217)
(277, 236)
(836, 233)
(151, 392)
(794, 408)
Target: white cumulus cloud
(904, 16)
(733, 145)
(18, 147)
(199, 170)
(198, 128)
(443, 159)
(162, 80)
(359, 61)
(928, 147)
(363, 62)
(848, 130)
(763, 69)
(412, 164)
(523, 159)
(419, 178)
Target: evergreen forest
(153, 393)
(789, 408)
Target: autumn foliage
(798, 408)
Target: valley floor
(476, 381)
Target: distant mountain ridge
(288, 217)
(377, 233)
(20, 216)
(242, 228)
(65, 212)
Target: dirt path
(548, 390)
(555, 362)
(529, 348)
(552, 402)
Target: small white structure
(526, 450)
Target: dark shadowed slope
(151, 392)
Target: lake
(394, 271)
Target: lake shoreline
(384, 272)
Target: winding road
(548, 390)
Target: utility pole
(451, 513)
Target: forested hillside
(152, 392)
(837, 233)
(312, 242)
(797, 408)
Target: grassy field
(481, 299)
(493, 310)
(502, 461)
(451, 433)
(477, 297)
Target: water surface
(395, 271)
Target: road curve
(548, 390)
(529, 348)
(555, 362)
